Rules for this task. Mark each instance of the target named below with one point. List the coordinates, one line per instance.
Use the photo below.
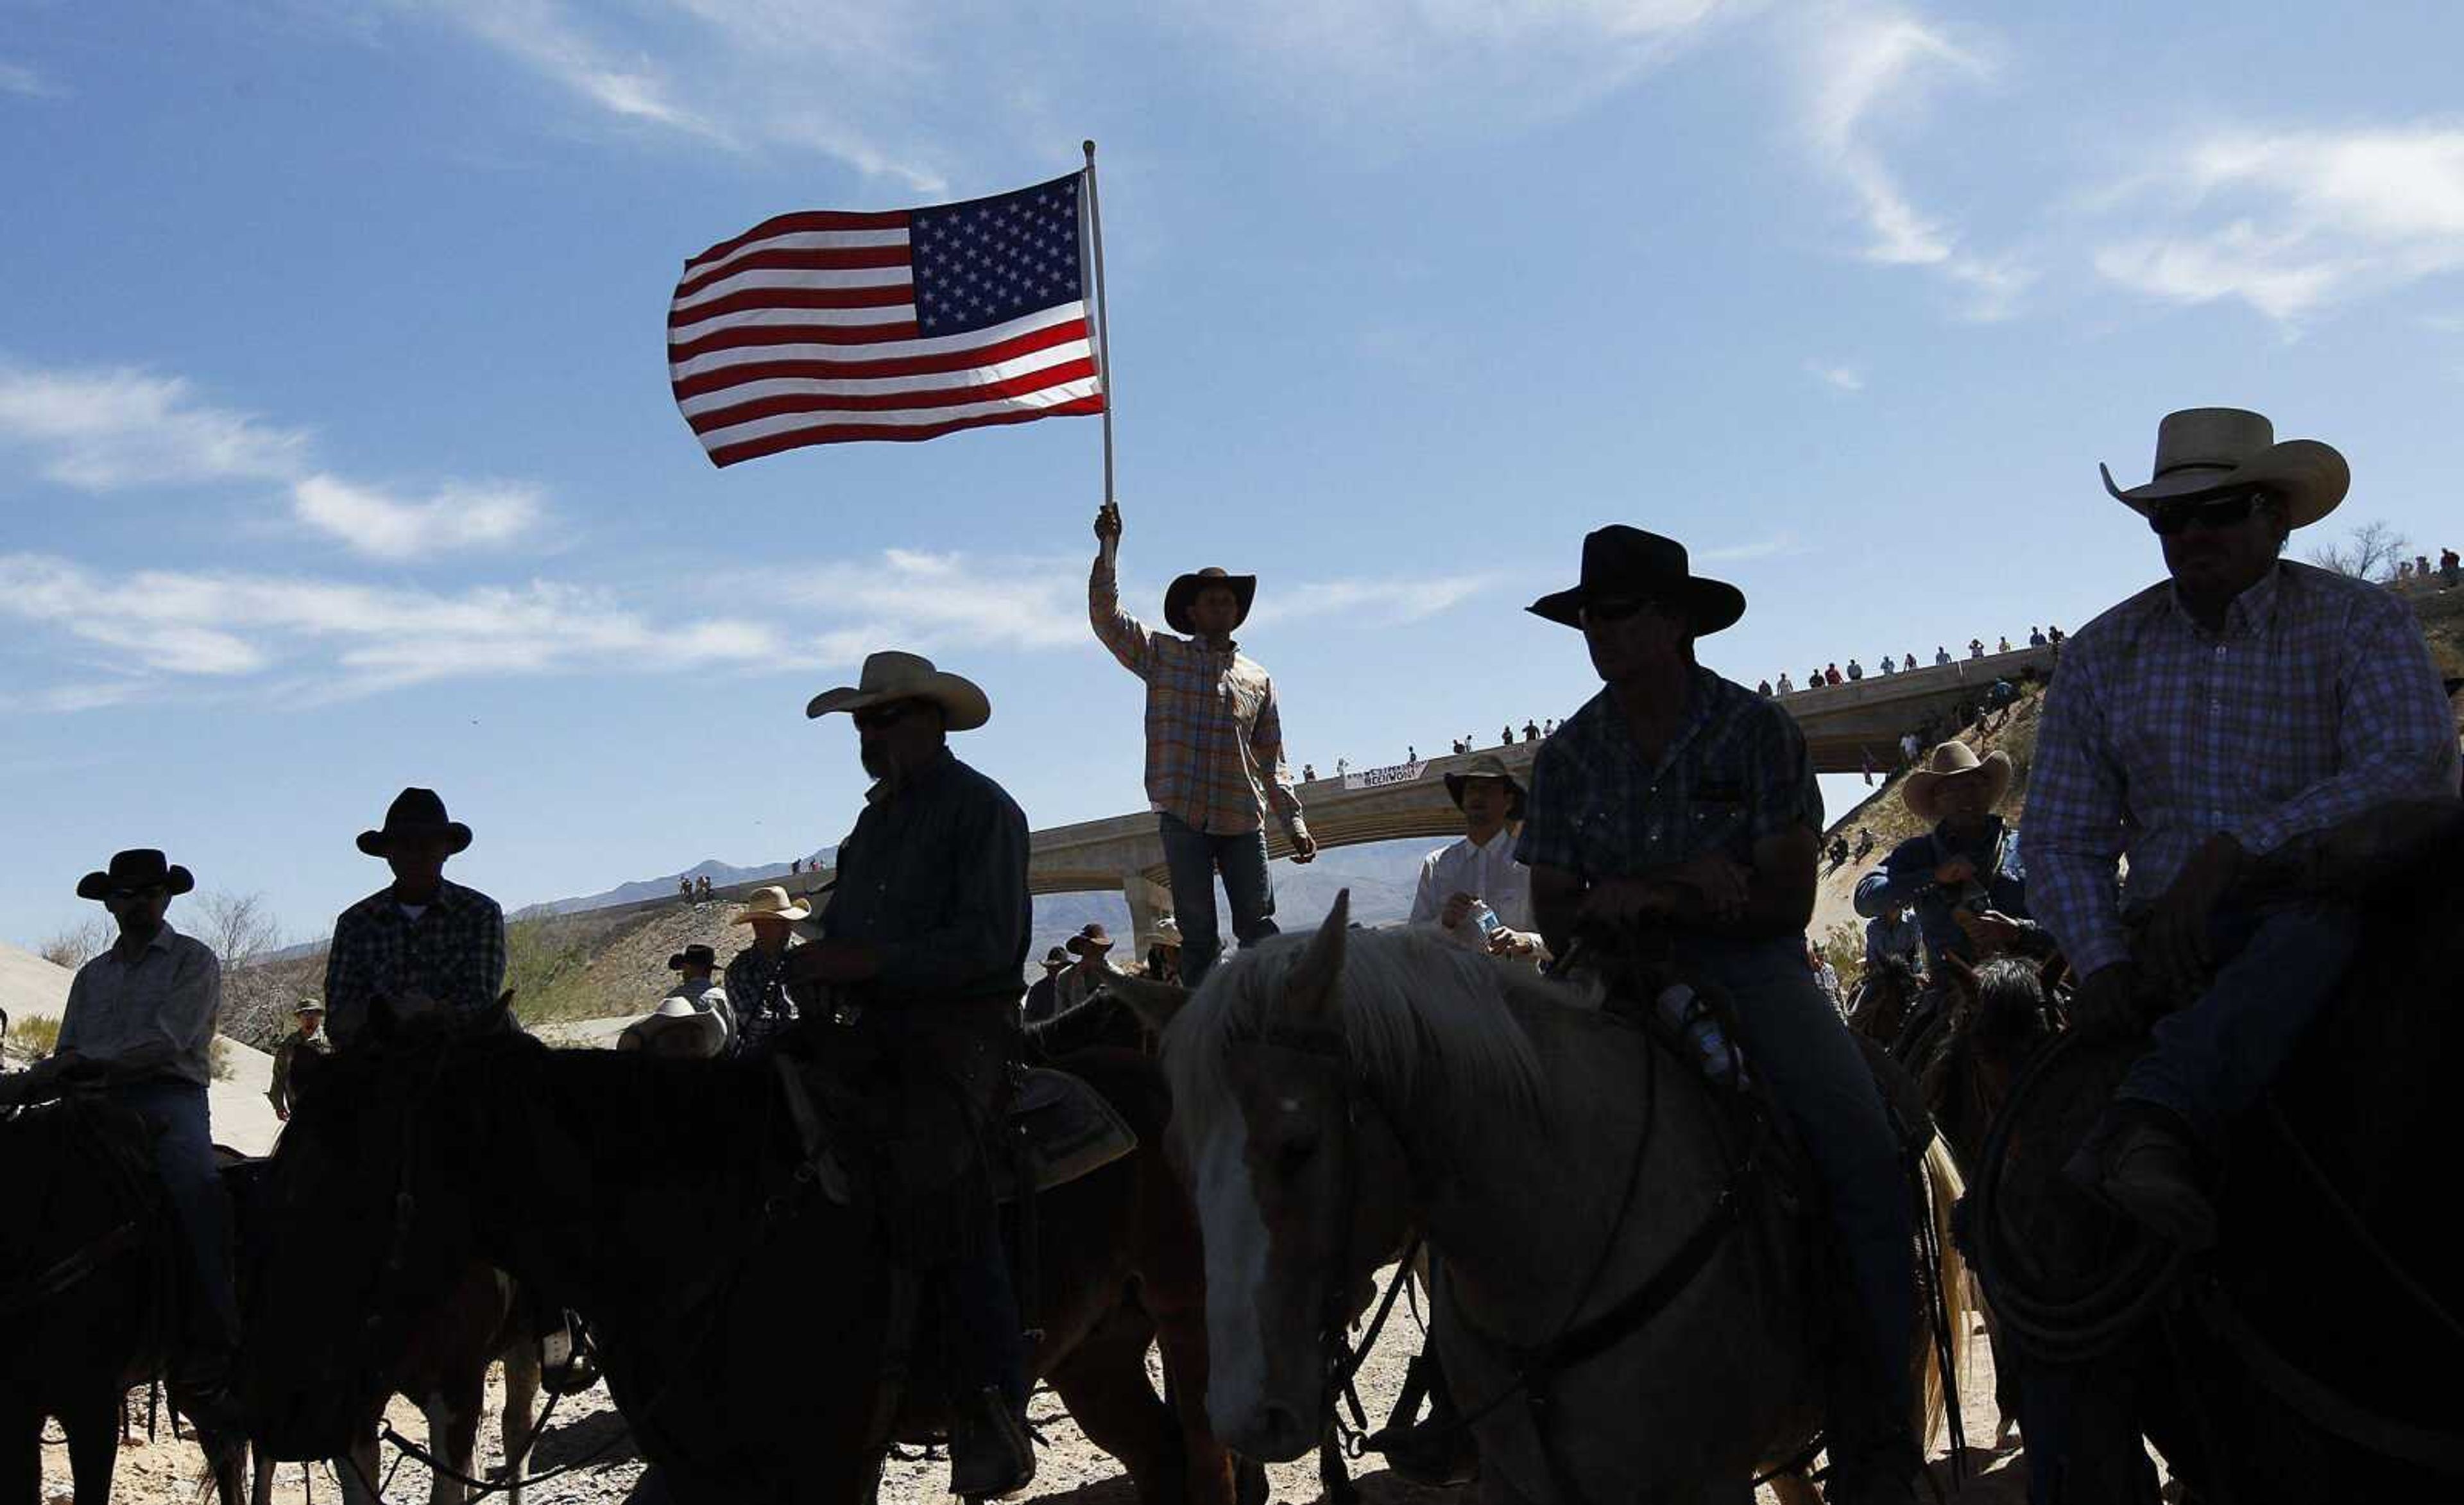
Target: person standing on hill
(1941, 655)
(309, 1036)
(1215, 746)
(757, 975)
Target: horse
(89, 1268)
(1886, 993)
(1332, 1090)
(2311, 1354)
(739, 1290)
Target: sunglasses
(2169, 517)
(873, 717)
(147, 891)
(1616, 608)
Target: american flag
(824, 326)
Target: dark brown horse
(2313, 1355)
(90, 1267)
(1883, 998)
(741, 1312)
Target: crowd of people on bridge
(1832, 674)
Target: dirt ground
(1070, 1469)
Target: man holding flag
(1215, 747)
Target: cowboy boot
(1437, 1451)
(991, 1456)
(2148, 1165)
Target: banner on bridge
(1380, 777)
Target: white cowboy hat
(1166, 932)
(2213, 451)
(892, 675)
(770, 902)
(1953, 760)
(676, 1011)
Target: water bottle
(1686, 1013)
(1485, 919)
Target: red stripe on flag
(833, 432)
(1056, 375)
(847, 259)
(808, 219)
(1027, 343)
(747, 335)
(754, 299)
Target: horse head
(367, 1213)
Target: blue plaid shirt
(1737, 771)
(2318, 701)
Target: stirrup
(566, 1367)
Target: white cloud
(1782, 543)
(159, 629)
(2290, 221)
(1846, 378)
(109, 428)
(26, 84)
(1372, 603)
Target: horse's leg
(260, 1486)
(1103, 1383)
(356, 1468)
(521, 1410)
(1181, 1334)
(92, 1421)
(452, 1414)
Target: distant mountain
(722, 874)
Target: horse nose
(1275, 1435)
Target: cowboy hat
(414, 812)
(1092, 938)
(1488, 765)
(693, 955)
(1953, 760)
(770, 902)
(2211, 451)
(143, 868)
(890, 675)
(309, 1006)
(1055, 959)
(676, 1011)
(1619, 560)
(1184, 589)
(1166, 933)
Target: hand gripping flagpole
(1103, 318)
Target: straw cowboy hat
(414, 812)
(693, 955)
(1166, 932)
(770, 902)
(2214, 452)
(1488, 765)
(309, 1006)
(141, 868)
(1955, 760)
(705, 1029)
(1619, 561)
(1184, 589)
(892, 675)
(1093, 937)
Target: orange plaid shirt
(1214, 744)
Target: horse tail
(1948, 1304)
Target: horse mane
(1417, 1013)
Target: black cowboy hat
(143, 868)
(1092, 938)
(693, 955)
(1183, 590)
(1623, 562)
(1055, 959)
(1488, 765)
(414, 812)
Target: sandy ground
(1069, 1468)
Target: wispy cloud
(1844, 378)
(2290, 221)
(117, 427)
(166, 631)
(26, 84)
(1369, 602)
(1778, 545)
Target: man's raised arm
(1129, 639)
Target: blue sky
(336, 452)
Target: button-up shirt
(280, 1092)
(454, 952)
(151, 1014)
(1906, 878)
(934, 874)
(1214, 743)
(2316, 702)
(1893, 934)
(757, 995)
(1489, 873)
(1736, 772)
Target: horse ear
(1155, 1004)
(1310, 996)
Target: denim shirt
(1906, 878)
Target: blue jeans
(1794, 1038)
(184, 1157)
(2213, 1058)
(1194, 857)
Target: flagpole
(1103, 318)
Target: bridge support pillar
(1149, 901)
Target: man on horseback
(423, 943)
(1677, 800)
(926, 939)
(139, 1030)
(2200, 725)
(1963, 877)
(757, 975)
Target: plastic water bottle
(1690, 1017)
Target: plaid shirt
(454, 953)
(1736, 772)
(755, 992)
(1215, 745)
(2317, 702)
